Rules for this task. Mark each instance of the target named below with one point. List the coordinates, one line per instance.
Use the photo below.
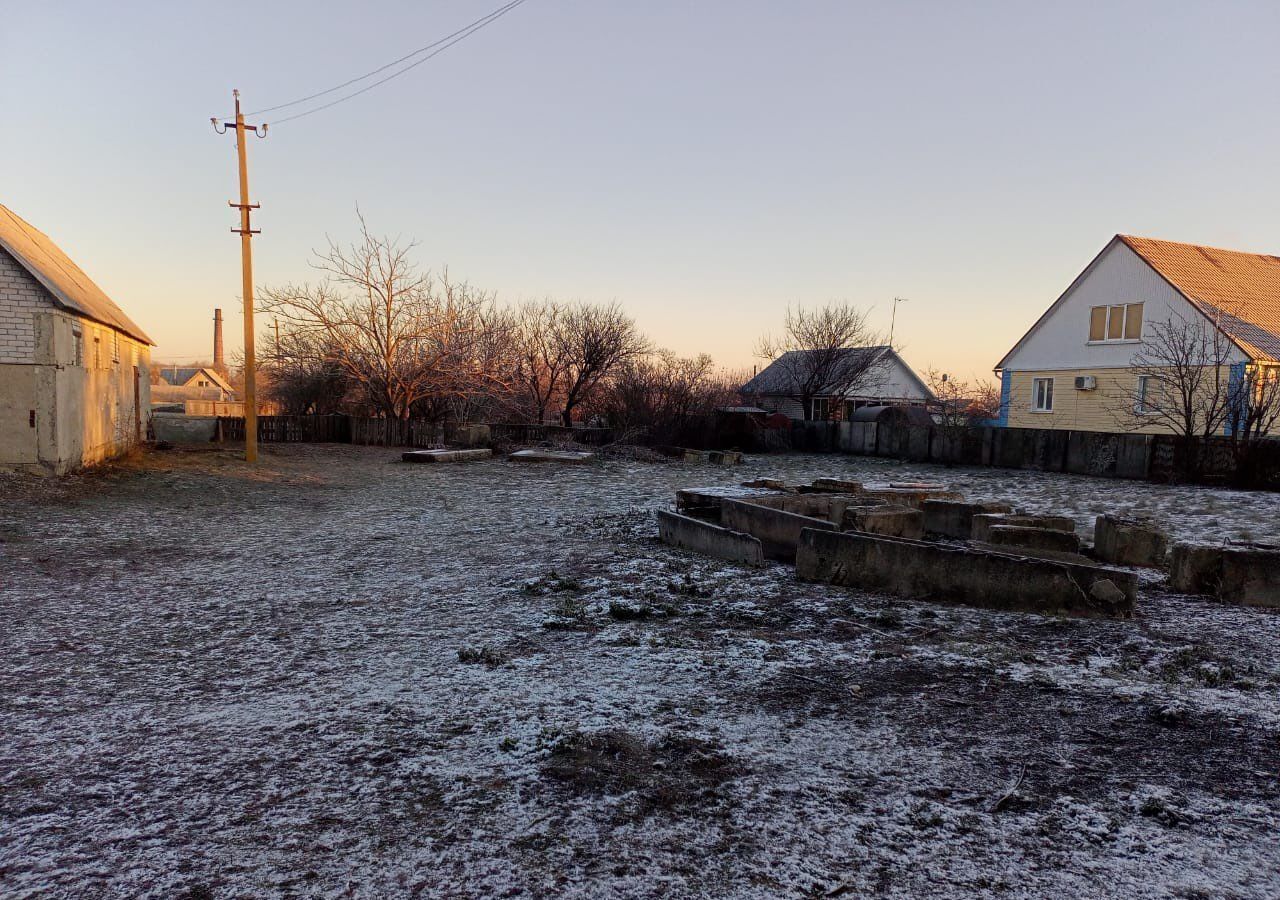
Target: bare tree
(398, 335)
(541, 361)
(1182, 384)
(662, 395)
(592, 341)
(958, 406)
(830, 351)
(301, 373)
(1254, 414)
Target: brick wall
(21, 297)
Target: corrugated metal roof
(180, 375)
(779, 377)
(1240, 291)
(71, 288)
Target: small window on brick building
(78, 338)
(97, 353)
(115, 347)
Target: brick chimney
(219, 362)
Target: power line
(438, 47)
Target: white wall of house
(1061, 340)
(72, 391)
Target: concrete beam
(778, 531)
(954, 519)
(1129, 542)
(1031, 538)
(928, 571)
(571, 457)
(984, 522)
(445, 456)
(698, 536)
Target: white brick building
(74, 369)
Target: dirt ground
(336, 675)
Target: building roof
(180, 375)
(1239, 291)
(63, 279)
(778, 378)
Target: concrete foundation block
(836, 486)
(1129, 542)
(570, 457)
(698, 536)
(778, 530)
(469, 435)
(1250, 577)
(445, 456)
(1032, 538)
(179, 429)
(984, 522)
(930, 571)
(910, 496)
(705, 502)
(891, 521)
(954, 518)
(1195, 568)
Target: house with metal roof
(829, 385)
(75, 379)
(1088, 362)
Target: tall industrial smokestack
(219, 362)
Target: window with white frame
(1143, 395)
(1120, 322)
(821, 409)
(1042, 395)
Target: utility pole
(893, 319)
(246, 266)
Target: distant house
(889, 382)
(1075, 368)
(176, 384)
(75, 379)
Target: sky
(703, 164)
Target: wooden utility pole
(246, 265)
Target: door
(137, 407)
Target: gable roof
(1239, 292)
(778, 379)
(180, 375)
(70, 288)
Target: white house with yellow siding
(1075, 368)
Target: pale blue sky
(702, 163)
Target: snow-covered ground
(338, 675)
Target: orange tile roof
(1241, 291)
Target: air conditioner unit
(1086, 383)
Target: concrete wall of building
(67, 384)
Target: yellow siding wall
(1108, 408)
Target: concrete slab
(888, 520)
(705, 502)
(1195, 568)
(954, 519)
(570, 457)
(984, 522)
(1032, 538)
(1250, 577)
(778, 530)
(445, 456)
(699, 536)
(929, 571)
(1129, 542)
